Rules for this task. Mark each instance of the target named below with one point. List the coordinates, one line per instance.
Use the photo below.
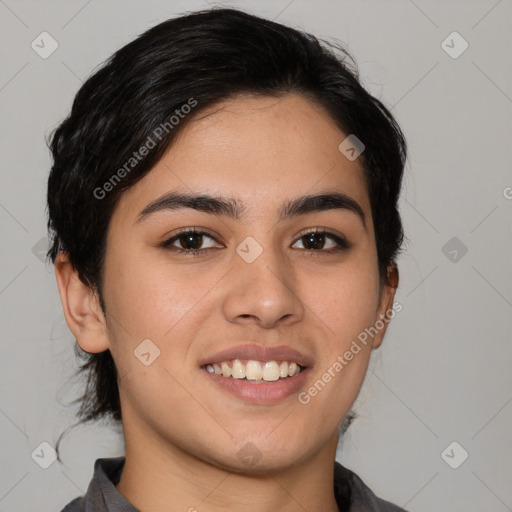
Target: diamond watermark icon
(44, 45)
(146, 352)
(249, 454)
(40, 249)
(454, 249)
(44, 455)
(249, 249)
(454, 45)
(351, 147)
(454, 455)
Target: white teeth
(226, 370)
(253, 370)
(268, 371)
(292, 369)
(238, 370)
(271, 371)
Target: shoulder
(362, 498)
(102, 495)
(77, 505)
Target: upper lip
(259, 353)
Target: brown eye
(316, 241)
(189, 242)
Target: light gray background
(443, 372)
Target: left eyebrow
(234, 209)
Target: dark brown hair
(207, 56)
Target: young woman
(223, 213)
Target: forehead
(260, 150)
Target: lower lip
(261, 392)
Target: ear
(387, 294)
(81, 307)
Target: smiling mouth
(257, 372)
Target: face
(303, 281)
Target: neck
(158, 475)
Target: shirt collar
(102, 495)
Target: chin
(254, 458)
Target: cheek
(149, 296)
(150, 299)
(345, 305)
(345, 300)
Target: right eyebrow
(200, 202)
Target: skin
(182, 434)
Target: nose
(262, 292)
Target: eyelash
(342, 243)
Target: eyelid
(339, 238)
(194, 230)
(321, 229)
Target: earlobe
(82, 310)
(386, 304)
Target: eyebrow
(234, 209)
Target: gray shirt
(102, 496)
